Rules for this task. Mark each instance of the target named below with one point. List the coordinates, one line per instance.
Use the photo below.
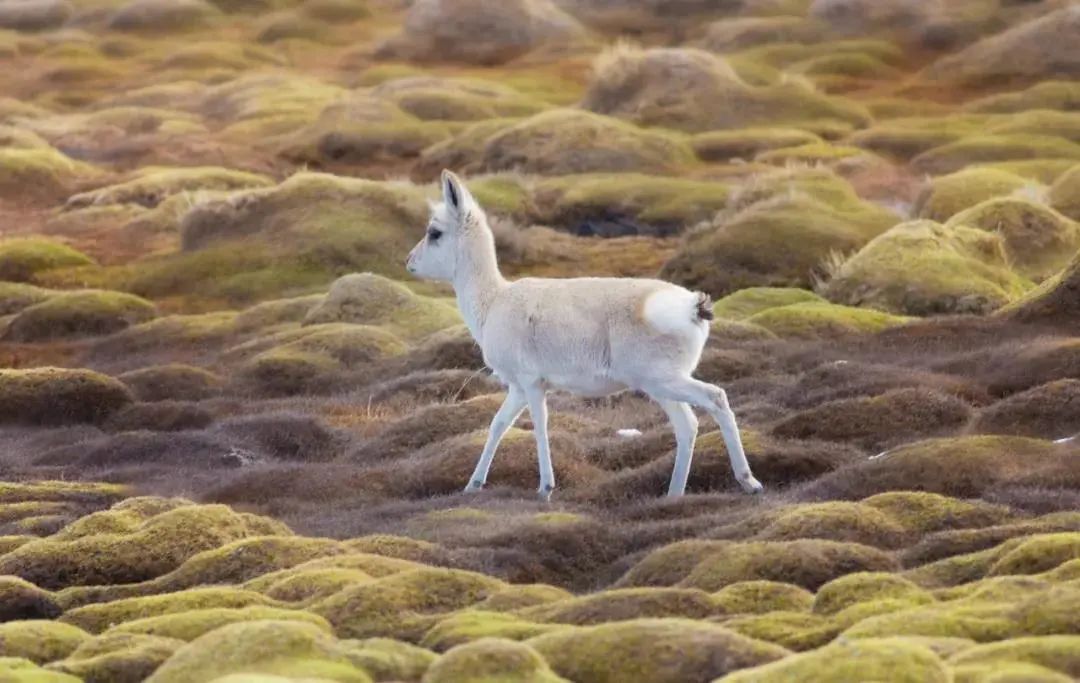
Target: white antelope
(588, 336)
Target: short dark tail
(704, 306)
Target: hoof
(751, 485)
(545, 493)
(474, 486)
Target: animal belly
(584, 385)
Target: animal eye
(434, 234)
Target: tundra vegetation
(234, 431)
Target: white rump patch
(629, 433)
(674, 311)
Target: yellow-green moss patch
(79, 314)
(1038, 240)
(759, 597)
(854, 662)
(98, 618)
(806, 563)
(471, 625)
(59, 396)
(852, 589)
(369, 299)
(950, 194)
(190, 624)
(822, 319)
(22, 258)
(39, 641)
(404, 605)
(922, 267)
(658, 650)
(117, 658)
(492, 659)
(285, 648)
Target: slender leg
(507, 414)
(685, 424)
(713, 399)
(537, 399)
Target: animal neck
(477, 281)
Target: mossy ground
(206, 208)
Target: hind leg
(685, 424)
(713, 400)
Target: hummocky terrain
(234, 432)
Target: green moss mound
(172, 382)
(100, 617)
(39, 641)
(950, 194)
(694, 90)
(1039, 554)
(745, 303)
(117, 658)
(1050, 94)
(271, 548)
(456, 99)
(22, 258)
(835, 521)
(52, 396)
(154, 547)
(561, 142)
(659, 650)
(814, 319)
(807, 563)
(853, 589)
(315, 358)
(519, 596)
(923, 512)
(21, 600)
(79, 314)
(623, 604)
(190, 624)
(152, 185)
(389, 660)
(954, 156)
(471, 625)
(922, 268)
(39, 175)
(362, 129)
(760, 597)
(492, 659)
(266, 242)
(1054, 301)
(751, 245)
(1038, 240)
(370, 299)
(854, 662)
(1063, 193)
(403, 606)
(15, 296)
(285, 648)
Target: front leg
(507, 414)
(537, 399)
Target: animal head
(436, 256)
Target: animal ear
(455, 194)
